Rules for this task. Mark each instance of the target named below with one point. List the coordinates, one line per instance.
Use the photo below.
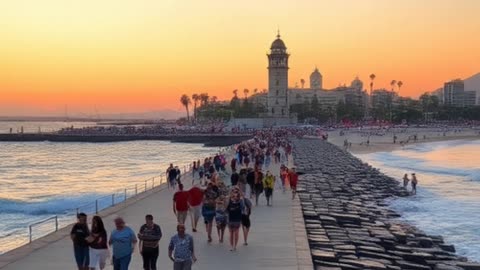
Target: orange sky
(135, 56)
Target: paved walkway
(277, 239)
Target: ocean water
(41, 179)
(448, 198)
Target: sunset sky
(136, 56)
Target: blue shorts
(81, 256)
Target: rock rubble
(348, 222)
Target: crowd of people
(224, 189)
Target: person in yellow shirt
(269, 184)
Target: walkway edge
(23, 251)
(304, 256)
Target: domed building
(316, 79)
(357, 83)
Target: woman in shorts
(208, 208)
(234, 209)
(220, 217)
(97, 242)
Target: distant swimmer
(405, 180)
(414, 184)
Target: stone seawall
(206, 139)
(348, 222)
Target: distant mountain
(472, 84)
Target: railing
(54, 223)
(94, 207)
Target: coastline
(349, 224)
(385, 144)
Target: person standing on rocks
(405, 180)
(293, 178)
(414, 184)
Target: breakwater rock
(211, 140)
(348, 222)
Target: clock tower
(278, 105)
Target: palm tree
(204, 99)
(302, 81)
(399, 84)
(185, 100)
(235, 93)
(255, 91)
(372, 77)
(246, 91)
(195, 98)
(393, 83)
(214, 99)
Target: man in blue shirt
(181, 250)
(123, 241)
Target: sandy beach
(382, 141)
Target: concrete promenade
(277, 238)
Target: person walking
(181, 250)
(172, 176)
(97, 241)
(195, 198)
(234, 208)
(258, 187)
(180, 204)
(123, 241)
(405, 180)
(208, 208)
(293, 178)
(246, 223)
(220, 217)
(414, 184)
(78, 234)
(149, 236)
(269, 184)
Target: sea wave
(48, 206)
(411, 164)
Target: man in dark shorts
(172, 176)
(80, 246)
(246, 219)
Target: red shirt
(195, 196)
(181, 200)
(293, 179)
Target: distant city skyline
(104, 57)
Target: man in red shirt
(293, 177)
(195, 200)
(180, 204)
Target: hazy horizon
(112, 57)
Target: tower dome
(316, 79)
(357, 84)
(278, 45)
